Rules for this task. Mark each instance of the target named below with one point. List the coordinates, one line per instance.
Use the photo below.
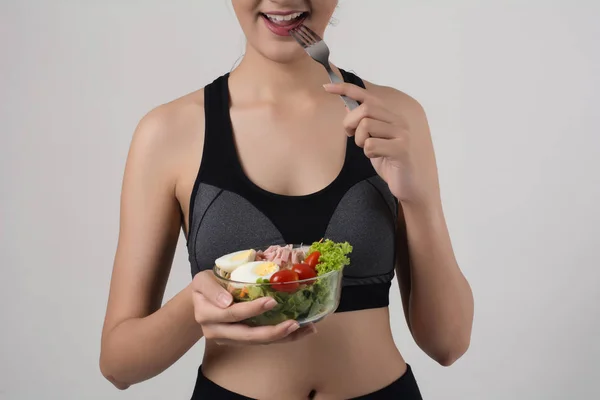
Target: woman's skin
(280, 107)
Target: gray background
(512, 91)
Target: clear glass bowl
(306, 301)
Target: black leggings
(404, 388)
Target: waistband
(405, 387)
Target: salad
(305, 281)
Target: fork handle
(350, 103)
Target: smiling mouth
(285, 20)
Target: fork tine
(311, 33)
(296, 35)
(305, 37)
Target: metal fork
(315, 46)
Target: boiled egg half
(230, 262)
(250, 272)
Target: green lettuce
(306, 302)
(334, 256)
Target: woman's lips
(283, 28)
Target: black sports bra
(228, 212)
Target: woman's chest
(230, 217)
(291, 153)
(258, 185)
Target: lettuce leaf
(334, 256)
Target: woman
(281, 158)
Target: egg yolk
(266, 269)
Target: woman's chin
(282, 53)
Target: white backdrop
(512, 91)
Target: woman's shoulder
(174, 118)
(169, 138)
(171, 126)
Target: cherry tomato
(284, 281)
(313, 259)
(304, 271)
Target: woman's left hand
(399, 150)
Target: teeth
(283, 18)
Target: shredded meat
(284, 256)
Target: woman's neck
(270, 80)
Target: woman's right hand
(219, 318)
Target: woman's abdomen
(353, 353)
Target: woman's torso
(291, 150)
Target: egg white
(252, 271)
(230, 262)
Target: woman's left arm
(437, 297)
(392, 129)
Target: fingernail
(293, 328)
(224, 299)
(269, 304)
(328, 86)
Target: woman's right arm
(140, 339)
